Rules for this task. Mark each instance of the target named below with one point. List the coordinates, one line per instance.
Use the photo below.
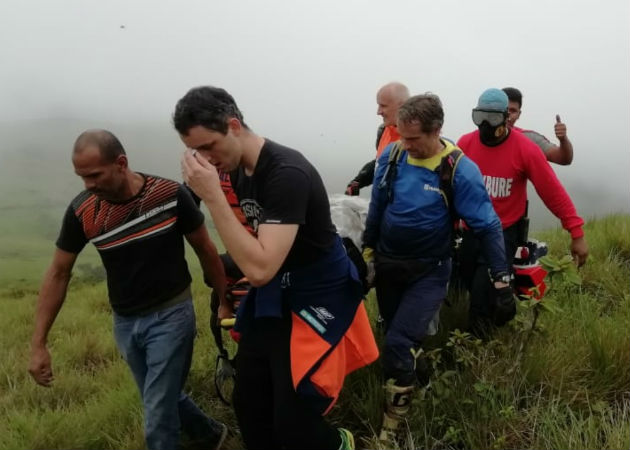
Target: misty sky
(305, 73)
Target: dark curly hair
(206, 106)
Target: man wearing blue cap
(507, 159)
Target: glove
(368, 257)
(353, 188)
(228, 323)
(505, 306)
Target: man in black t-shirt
(306, 294)
(136, 222)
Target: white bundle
(348, 214)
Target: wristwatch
(501, 277)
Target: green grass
(568, 386)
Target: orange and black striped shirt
(140, 241)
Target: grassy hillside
(563, 384)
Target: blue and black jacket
(415, 223)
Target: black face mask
(490, 135)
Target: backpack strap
(379, 134)
(446, 172)
(391, 171)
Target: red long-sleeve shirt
(506, 169)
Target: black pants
(270, 413)
(474, 271)
(409, 295)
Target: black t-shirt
(140, 241)
(286, 189)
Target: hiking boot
(389, 431)
(347, 439)
(397, 404)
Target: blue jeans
(158, 349)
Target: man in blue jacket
(409, 233)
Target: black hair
(514, 95)
(108, 144)
(206, 106)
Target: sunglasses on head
(494, 118)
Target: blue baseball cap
(493, 100)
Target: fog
(305, 73)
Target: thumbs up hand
(560, 129)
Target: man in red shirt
(507, 160)
(389, 98)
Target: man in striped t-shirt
(136, 222)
